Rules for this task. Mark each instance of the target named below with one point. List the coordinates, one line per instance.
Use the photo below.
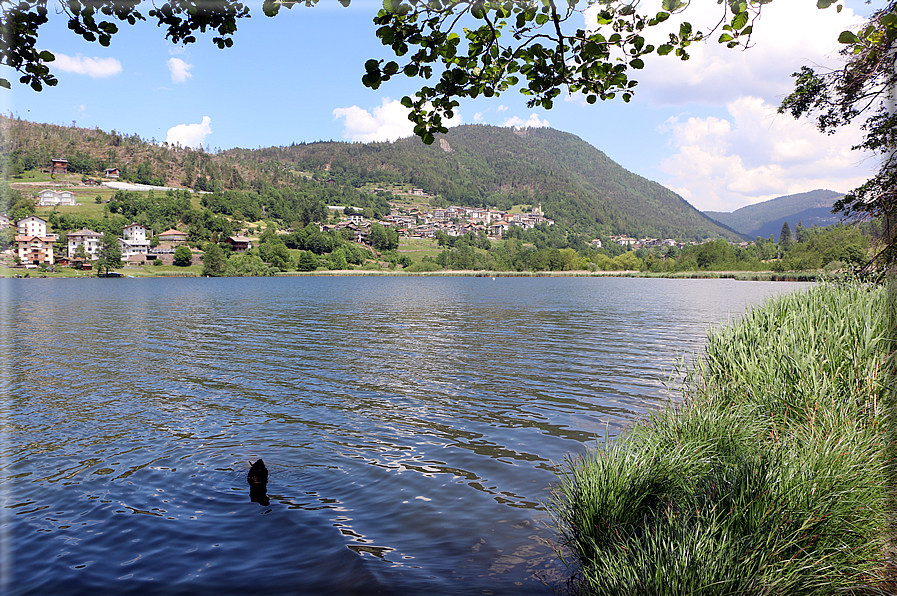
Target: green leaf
(848, 37)
(270, 8)
(824, 3)
(739, 20)
(5, 84)
(46, 56)
(664, 49)
(725, 37)
(638, 64)
(478, 9)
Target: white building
(49, 198)
(32, 226)
(133, 241)
(88, 238)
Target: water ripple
(410, 426)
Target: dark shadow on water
(258, 494)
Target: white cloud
(531, 122)
(501, 108)
(757, 155)
(92, 67)
(190, 135)
(180, 70)
(386, 122)
(478, 117)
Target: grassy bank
(769, 477)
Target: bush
(183, 256)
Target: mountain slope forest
(578, 186)
(812, 208)
(479, 165)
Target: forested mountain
(475, 165)
(478, 165)
(762, 219)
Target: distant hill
(578, 186)
(478, 165)
(762, 219)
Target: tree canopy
(865, 88)
(467, 48)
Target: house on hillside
(133, 241)
(35, 250)
(499, 228)
(173, 236)
(89, 239)
(5, 221)
(59, 166)
(112, 173)
(31, 226)
(52, 198)
(239, 243)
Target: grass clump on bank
(768, 479)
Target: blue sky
(705, 128)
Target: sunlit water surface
(411, 426)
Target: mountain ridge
(578, 185)
(763, 219)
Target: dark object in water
(258, 474)
(258, 482)
(258, 494)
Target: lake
(411, 426)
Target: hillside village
(36, 246)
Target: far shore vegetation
(284, 249)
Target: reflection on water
(410, 426)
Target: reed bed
(768, 478)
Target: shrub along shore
(768, 478)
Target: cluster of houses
(635, 243)
(452, 221)
(34, 245)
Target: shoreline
(733, 275)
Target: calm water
(411, 426)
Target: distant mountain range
(766, 218)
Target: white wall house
(49, 197)
(88, 238)
(31, 226)
(135, 232)
(133, 241)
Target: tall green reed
(769, 477)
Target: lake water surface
(411, 426)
